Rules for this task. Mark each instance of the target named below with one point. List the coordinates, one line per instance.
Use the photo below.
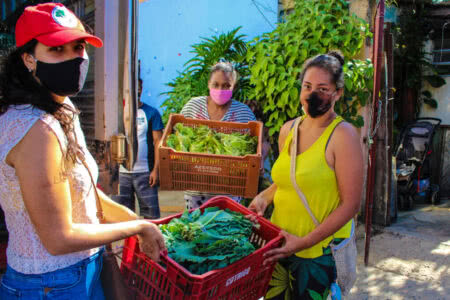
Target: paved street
(408, 260)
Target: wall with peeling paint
(167, 29)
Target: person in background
(143, 179)
(329, 171)
(47, 175)
(218, 106)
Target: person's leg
(126, 191)
(147, 196)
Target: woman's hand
(151, 241)
(292, 244)
(258, 205)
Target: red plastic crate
(219, 174)
(245, 279)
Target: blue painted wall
(167, 28)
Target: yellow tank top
(317, 181)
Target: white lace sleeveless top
(25, 252)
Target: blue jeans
(131, 183)
(78, 281)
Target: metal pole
(134, 71)
(378, 57)
(131, 82)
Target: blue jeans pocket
(8, 293)
(67, 285)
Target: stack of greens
(202, 139)
(208, 241)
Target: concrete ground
(408, 260)
(170, 202)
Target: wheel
(434, 195)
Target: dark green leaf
(302, 276)
(435, 81)
(431, 102)
(318, 273)
(427, 94)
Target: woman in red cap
(55, 239)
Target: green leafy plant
(270, 64)
(412, 64)
(210, 240)
(193, 80)
(358, 77)
(275, 60)
(202, 139)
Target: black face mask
(65, 78)
(316, 105)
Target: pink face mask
(220, 97)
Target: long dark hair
(18, 86)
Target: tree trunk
(407, 111)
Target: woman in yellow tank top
(330, 174)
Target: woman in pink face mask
(218, 106)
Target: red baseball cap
(52, 24)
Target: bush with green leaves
(412, 64)
(193, 80)
(270, 64)
(275, 60)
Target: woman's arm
(348, 165)
(46, 194)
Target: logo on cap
(64, 17)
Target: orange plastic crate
(221, 174)
(246, 279)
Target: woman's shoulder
(18, 122)
(345, 137)
(345, 130)
(194, 106)
(200, 100)
(287, 126)
(240, 105)
(243, 110)
(19, 119)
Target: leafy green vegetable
(208, 241)
(202, 139)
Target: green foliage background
(275, 59)
(270, 64)
(193, 80)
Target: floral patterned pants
(303, 278)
